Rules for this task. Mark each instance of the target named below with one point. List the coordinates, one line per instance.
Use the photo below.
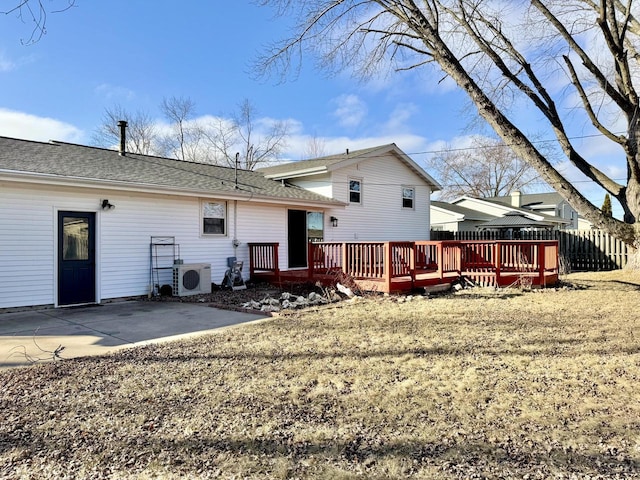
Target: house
(455, 218)
(83, 225)
(508, 214)
(550, 203)
(387, 194)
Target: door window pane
(75, 238)
(315, 226)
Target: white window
(408, 196)
(214, 218)
(355, 191)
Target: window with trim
(408, 196)
(214, 218)
(355, 191)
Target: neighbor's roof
(332, 162)
(60, 162)
(529, 200)
(515, 219)
(468, 213)
(508, 209)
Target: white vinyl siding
(380, 217)
(262, 223)
(26, 248)
(28, 239)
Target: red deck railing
(397, 266)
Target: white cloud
(6, 64)
(31, 127)
(298, 144)
(399, 117)
(112, 92)
(350, 110)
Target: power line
(447, 150)
(500, 145)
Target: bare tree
(258, 145)
(142, 133)
(184, 140)
(35, 12)
(215, 140)
(506, 56)
(487, 169)
(315, 148)
(220, 134)
(256, 141)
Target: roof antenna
(123, 137)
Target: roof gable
(331, 163)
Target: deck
(404, 266)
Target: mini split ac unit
(191, 279)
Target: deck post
(311, 260)
(440, 260)
(412, 263)
(388, 266)
(344, 259)
(498, 260)
(252, 265)
(541, 263)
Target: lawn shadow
(365, 451)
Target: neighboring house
(551, 204)
(473, 214)
(455, 218)
(387, 194)
(76, 222)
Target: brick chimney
(123, 137)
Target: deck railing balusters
(406, 265)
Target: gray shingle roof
(467, 212)
(514, 219)
(548, 198)
(59, 160)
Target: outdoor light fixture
(334, 221)
(106, 205)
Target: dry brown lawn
(478, 384)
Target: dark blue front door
(76, 258)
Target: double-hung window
(408, 197)
(214, 218)
(355, 191)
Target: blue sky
(126, 52)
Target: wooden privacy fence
(580, 250)
(402, 266)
